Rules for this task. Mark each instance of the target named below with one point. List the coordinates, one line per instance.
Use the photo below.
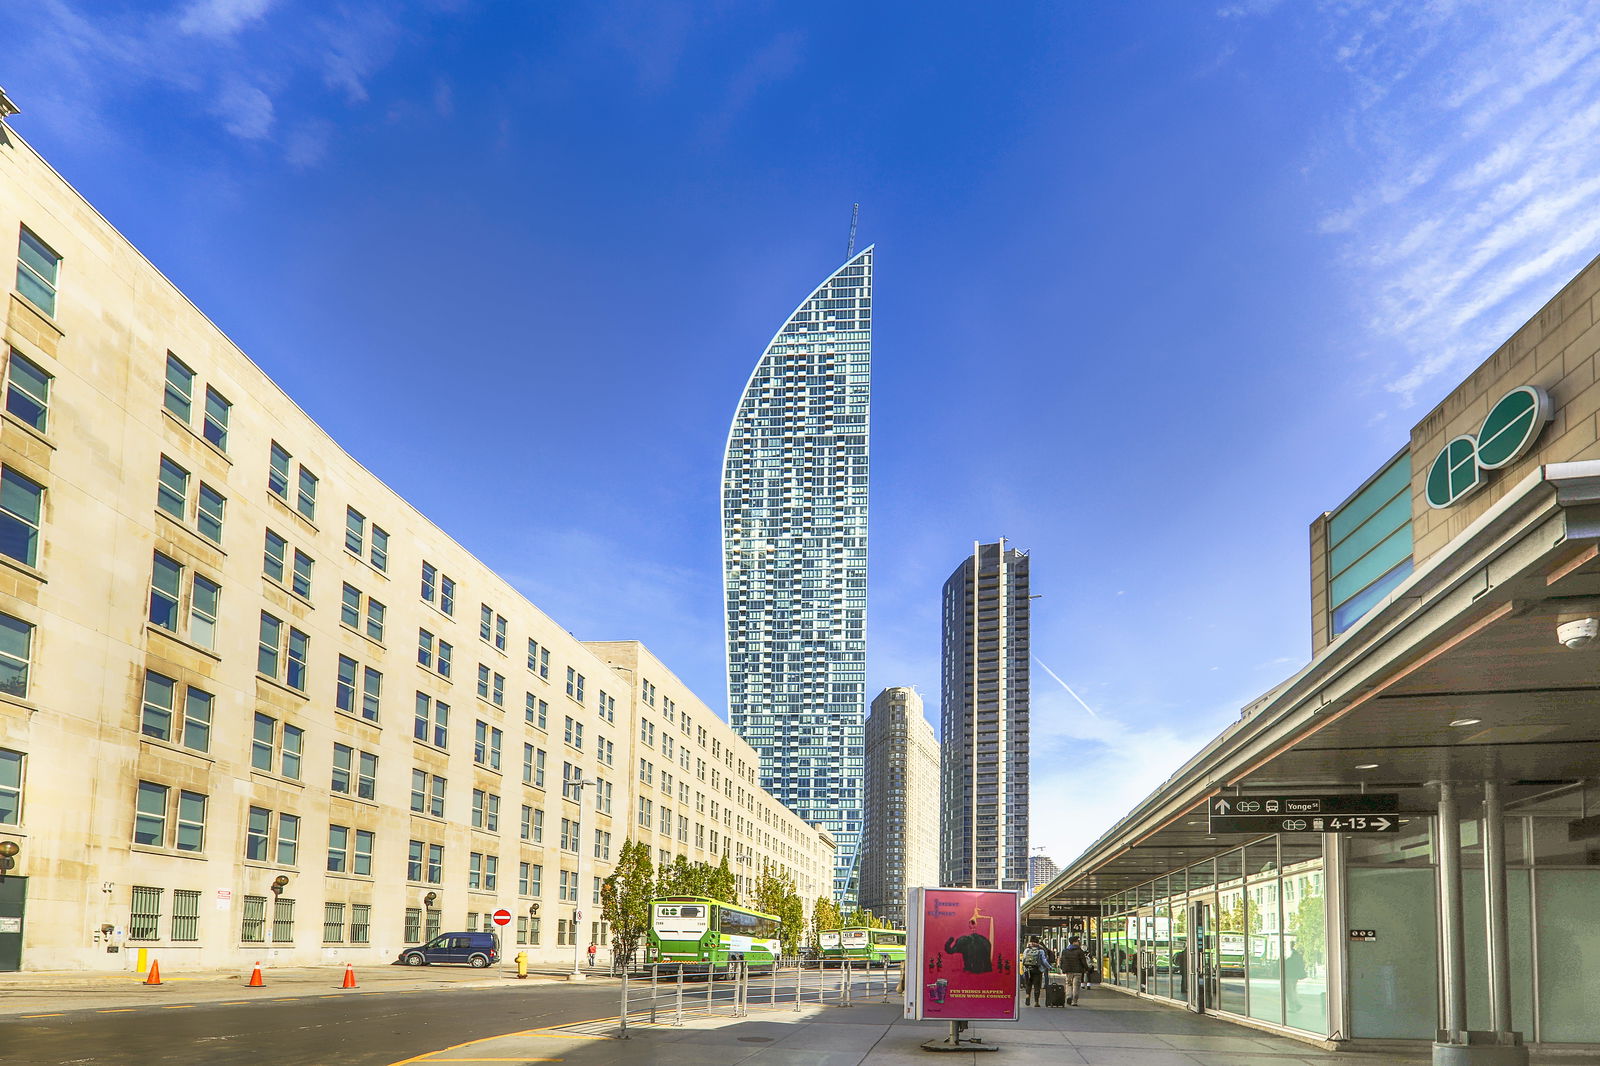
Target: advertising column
(961, 956)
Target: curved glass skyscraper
(794, 552)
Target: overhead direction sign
(1366, 812)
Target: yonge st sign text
(1509, 431)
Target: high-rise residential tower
(794, 550)
(900, 833)
(1041, 868)
(984, 714)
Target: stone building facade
(253, 705)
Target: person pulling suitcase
(1075, 967)
(1036, 963)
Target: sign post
(961, 960)
(1367, 812)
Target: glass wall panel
(1520, 928)
(1305, 940)
(1552, 845)
(1569, 944)
(1161, 950)
(1261, 858)
(1202, 875)
(1232, 931)
(1392, 980)
(1266, 948)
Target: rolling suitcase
(1055, 995)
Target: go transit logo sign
(1509, 431)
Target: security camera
(1578, 633)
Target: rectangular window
(413, 929)
(435, 864)
(338, 848)
(483, 682)
(204, 598)
(360, 923)
(475, 870)
(525, 825)
(491, 873)
(436, 796)
(486, 745)
(500, 632)
(38, 268)
(144, 919)
(278, 472)
(267, 649)
(371, 693)
(191, 835)
(208, 513)
(430, 580)
(536, 711)
(274, 557)
(445, 651)
(362, 863)
(252, 929)
(447, 595)
(156, 718)
(172, 489)
(375, 616)
(485, 621)
(538, 825)
(303, 565)
(150, 814)
(166, 585)
(28, 392)
(299, 651)
(343, 770)
(350, 607)
(288, 839)
(344, 688)
(307, 503)
(333, 923)
(479, 802)
(20, 504)
(497, 695)
(379, 555)
(179, 397)
(355, 531)
(217, 411)
(414, 861)
(186, 915)
(283, 921)
(533, 765)
(419, 790)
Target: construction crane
(855, 215)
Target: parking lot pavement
(67, 990)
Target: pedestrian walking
(592, 950)
(1036, 962)
(1074, 967)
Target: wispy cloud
(262, 86)
(1474, 143)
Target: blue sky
(1157, 284)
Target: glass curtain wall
(1268, 948)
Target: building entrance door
(1201, 965)
(13, 896)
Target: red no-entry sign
(502, 917)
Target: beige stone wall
(88, 598)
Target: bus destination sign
(1366, 812)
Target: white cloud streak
(1475, 138)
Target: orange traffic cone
(255, 978)
(349, 976)
(154, 976)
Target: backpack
(1032, 958)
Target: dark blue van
(474, 949)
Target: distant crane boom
(855, 215)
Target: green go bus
(693, 929)
(859, 943)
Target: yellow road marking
(119, 1010)
(177, 1006)
(232, 1002)
(42, 1015)
(519, 1059)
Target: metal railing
(664, 993)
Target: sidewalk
(1107, 1030)
(27, 992)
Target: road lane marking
(57, 1015)
(177, 1006)
(118, 1010)
(233, 1002)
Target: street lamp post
(577, 909)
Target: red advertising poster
(968, 946)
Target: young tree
(825, 915)
(625, 898)
(720, 885)
(793, 912)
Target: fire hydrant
(522, 964)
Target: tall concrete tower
(900, 835)
(794, 553)
(984, 714)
